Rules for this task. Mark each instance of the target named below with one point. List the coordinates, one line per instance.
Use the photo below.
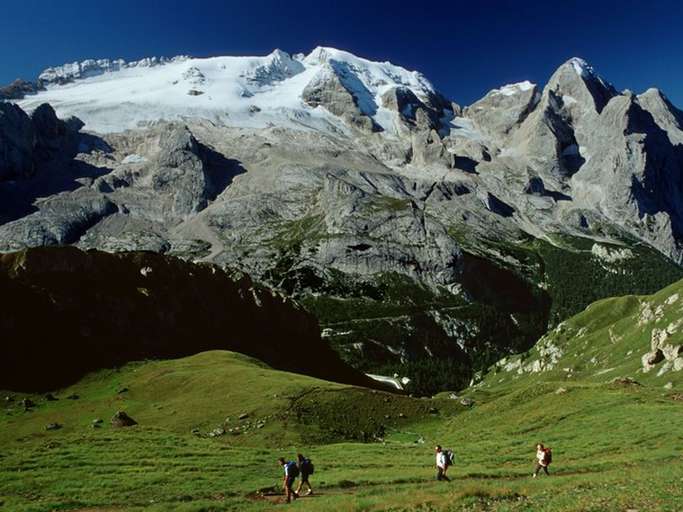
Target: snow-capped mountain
(114, 95)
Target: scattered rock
(678, 397)
(433, 410)
(260, 425)
(195, 431)
(27, 403)
(401, 415)
(96, 423)
(9, 398)
(678, 364)
(53, 426)
(243, 416)
(73, 396)
(669, 385)
(560, 391)
(121, 419)
(122, 390)
(50, 397)
(453, 396)
(217, 432)
(626, 381)
(467, 402)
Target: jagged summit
(93, 67)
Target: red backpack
(548, 457)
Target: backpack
(307, 467)
(292, 470)
(548, 457)
(450, 457)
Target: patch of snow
(568, 100)
(134, 159)
(512, 89)
(582, 68)
(392, 381)
(464, 127)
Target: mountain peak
(578, 81)
(581, 67)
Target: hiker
(291, 472)
(444, 458)
(544, 457)
(305, 469)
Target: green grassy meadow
(616, 447)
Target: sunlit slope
(632, 337)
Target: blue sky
(464, 48)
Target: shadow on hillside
(18, 198)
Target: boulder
(53, 426)
(121, 419)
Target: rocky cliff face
(347, 182)
(67, 312)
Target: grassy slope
(605, 341)
(615, 447)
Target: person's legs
(445, 476)
(537, 469)
(290, 492)
(304, 480)
(545, 468)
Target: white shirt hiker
(441, 460)
(540, 455)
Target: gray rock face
(502, 110)
(329, 90)
(304, 206)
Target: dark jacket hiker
(306, 469)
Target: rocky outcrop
(99, 310)
(17, 140)
(27, 143)
(18, 89)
